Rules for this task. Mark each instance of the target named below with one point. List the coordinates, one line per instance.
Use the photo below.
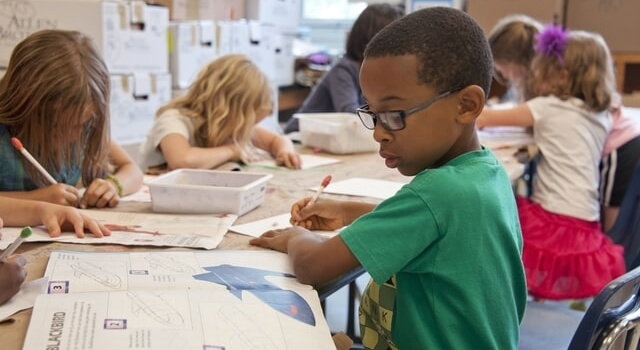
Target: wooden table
(283, 190)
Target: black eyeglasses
(394, 120)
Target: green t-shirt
(451, 240)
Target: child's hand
(59, 193)
(276, 239)
(12, 275)
(55, 218)
(290, 159)
(100, 193)
(322, 215)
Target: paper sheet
(24, 299)
(258, 227)
(308, 161)
(364, 187)
(176, 300)
(129, 228)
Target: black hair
(451, 48)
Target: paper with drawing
(128, 228)
(176, 300)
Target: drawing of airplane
(252, 280)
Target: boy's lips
(390, 160)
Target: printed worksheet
(129, 228)
(176, 300)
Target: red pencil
(18, 145)
(323, 185)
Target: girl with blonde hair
(511, 41)
(216, 121)
(566, 255)
(54, 98)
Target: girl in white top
(566, 255)
(216, 121)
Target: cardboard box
(339, 133)
(203, 9)
(488, 12)
(198, 191)
(135, 98)
(617, 21)
(131, 36)
(284, 15)
(192, 45)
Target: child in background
(620, 156)
(443, 252)
(338, 90)
(511, 41)
(54, 98)
(18, 212)
(216, 121)
(566, 255)
(512, 44)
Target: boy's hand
(322, 215)
(56, 218)
(100, 193)
(277, 239)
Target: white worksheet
(308, 161)
(176, 300)
(363, 187)
(129, 228)
(258, 227)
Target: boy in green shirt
(444, 252)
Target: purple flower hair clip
(552, 41)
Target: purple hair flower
(552, 41)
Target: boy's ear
(470, 103)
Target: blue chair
(626, 230)
(612, 321)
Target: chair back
(612, 321)
(626, 230)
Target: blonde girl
(216, 121)
(54, 98)
(511, 41)
(566, 255)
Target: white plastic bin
(339, 133)
(197, 191)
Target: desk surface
(283, 190)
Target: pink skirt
(565, 257)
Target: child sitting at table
(512, 44)
(18, 212)
(338, 90)
(566, 255)
(54, 98)
(216, 121)
(444, 251)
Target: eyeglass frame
(402, 114)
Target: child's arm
(17, 212)
(279, 146)
(516, 116)
(180, 154)
(126, 179)
(315, 260)
(126, 170)
(59, 193)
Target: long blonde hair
(588, 66)
(54, 79)
(223, 101)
